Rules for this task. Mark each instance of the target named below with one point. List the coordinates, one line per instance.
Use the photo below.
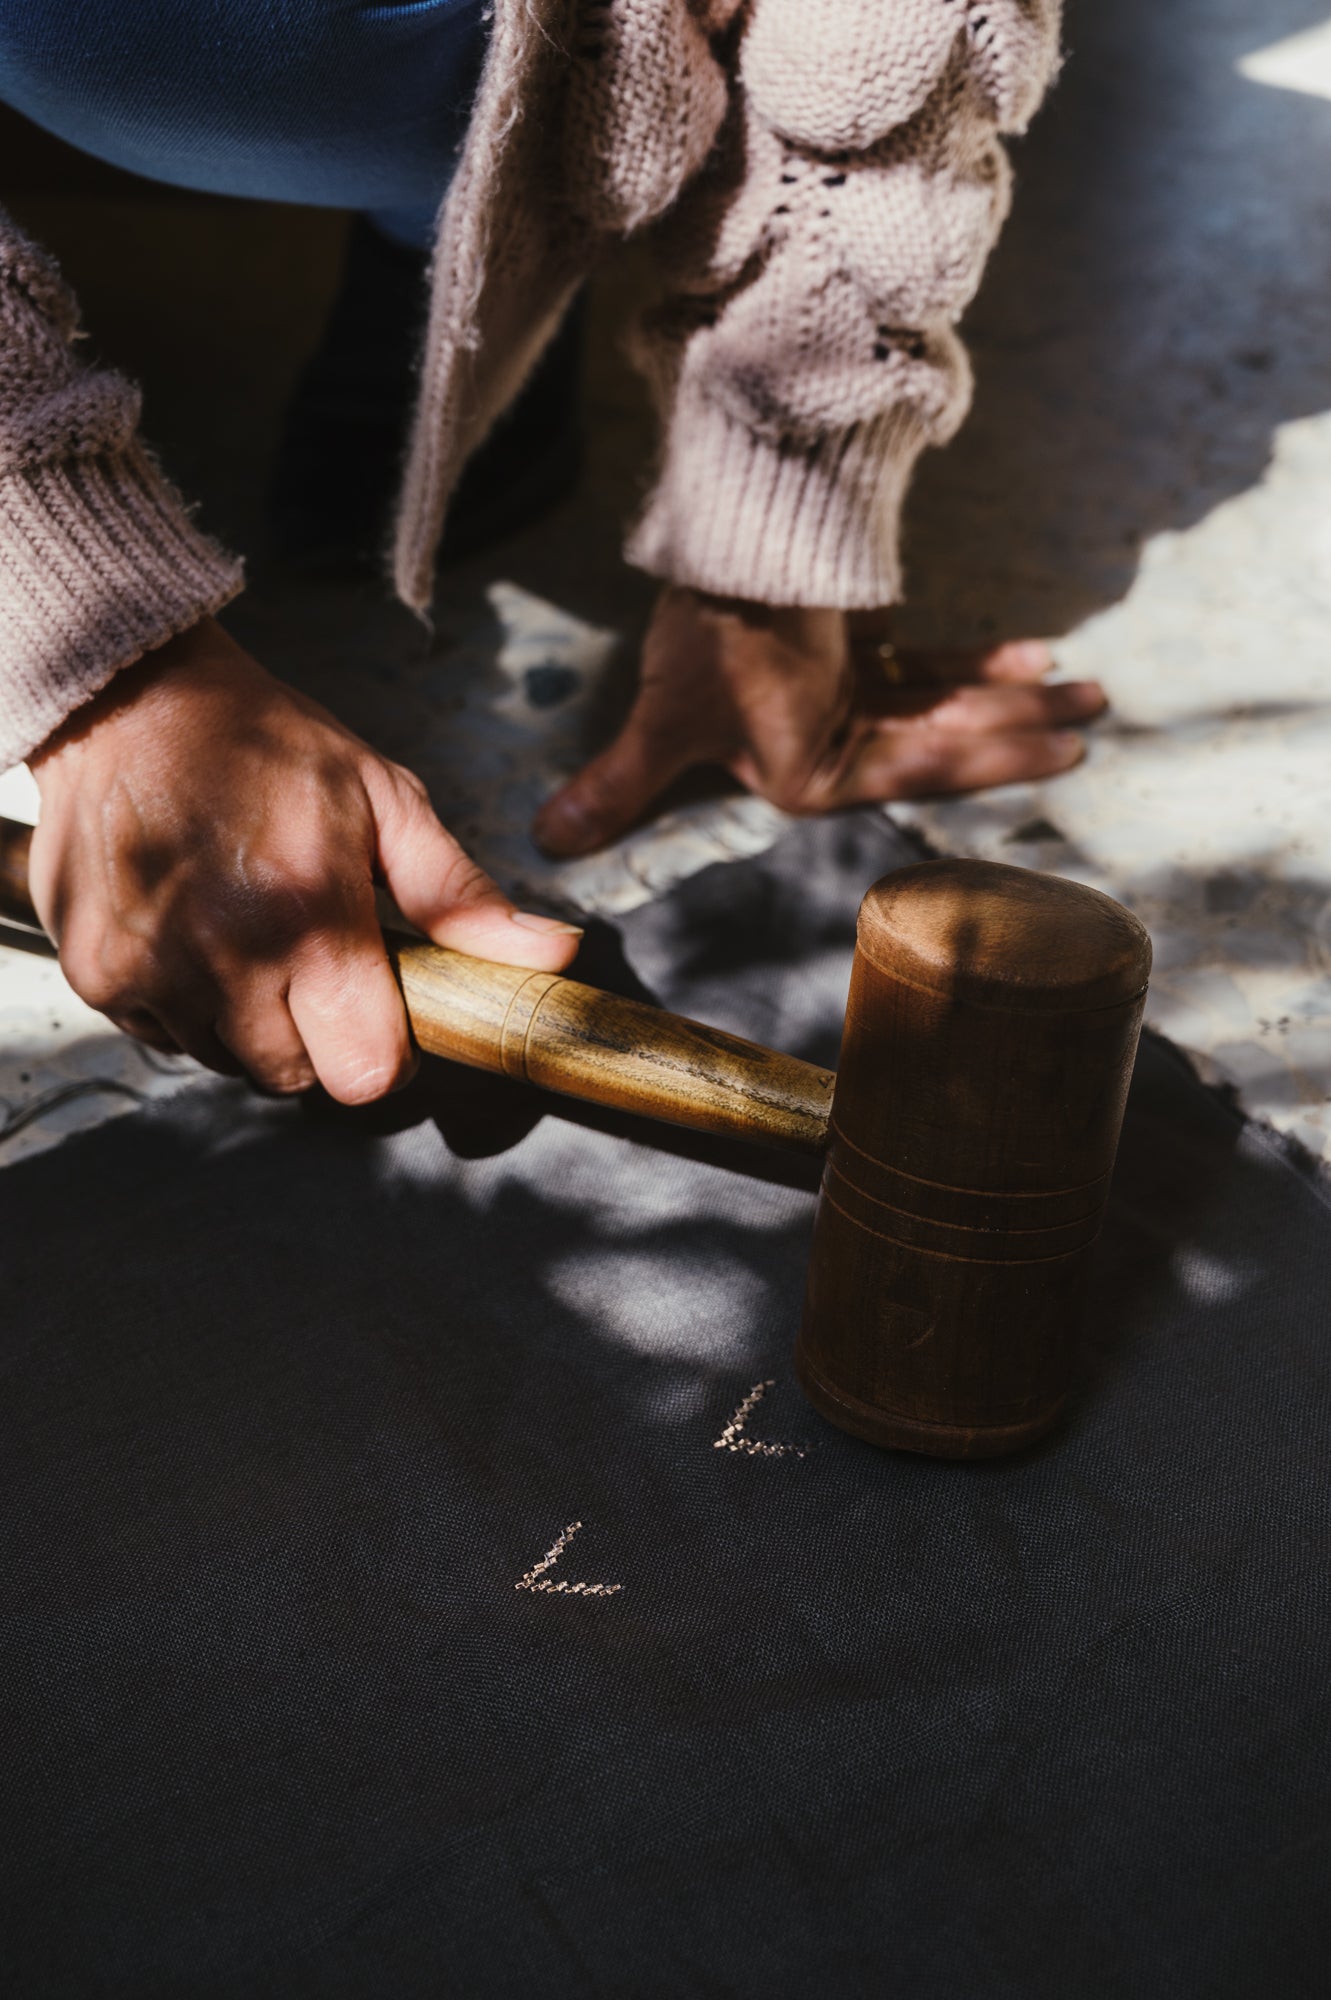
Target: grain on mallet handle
(574, 1039)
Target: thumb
(612, 793)
(440, 888)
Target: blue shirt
(343, 103)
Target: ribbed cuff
(774, 521)
(99, 563)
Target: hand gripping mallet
(969, 1134)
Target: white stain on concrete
(1300, 62)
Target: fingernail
(1069, 742)
(547, 926)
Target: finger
(260, 1033)
(169, 1003)
(978, 710)
(613, 792)
(1014, 660)
(144, 1027)
(915, 763)
(197, 1038)
(346, 1008)
(440, 888)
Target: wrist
(202, 657)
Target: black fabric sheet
(291, 1400)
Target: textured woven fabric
(291, 1402)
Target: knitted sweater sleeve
(99, 560)
(801, 348)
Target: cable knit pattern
(99, 560)
(820, 182)
(817, 237)
(833, 76)
(812, 281)
(646, 99)
(1014, 45)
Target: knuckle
(349, 1012)
(262, 919)
(331, 973)
(1065, 700)
(142, 1027)
(466, 884)
(924, 764)
(282, 1075)
(785, 795)
(214, 920)
(414, 786)
(961, 708)
(107, 973)
(93, 986)
(799, 792)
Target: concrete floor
(1146, 477)
(1148, 472)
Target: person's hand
(815, 715)
(206, 859)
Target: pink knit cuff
(778, 523)
(99, 563)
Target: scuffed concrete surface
(1146, 476)
(1148, 471)
(1205, 802)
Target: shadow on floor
(1159, 303)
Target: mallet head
(989, 1042)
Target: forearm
(99, 560)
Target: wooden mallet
(969, 1134)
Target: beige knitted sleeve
(801, 350)
(99, 560)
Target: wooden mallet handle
(584, 1043)
(571, 1038)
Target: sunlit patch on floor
(1205, 802)
(1300, 62)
